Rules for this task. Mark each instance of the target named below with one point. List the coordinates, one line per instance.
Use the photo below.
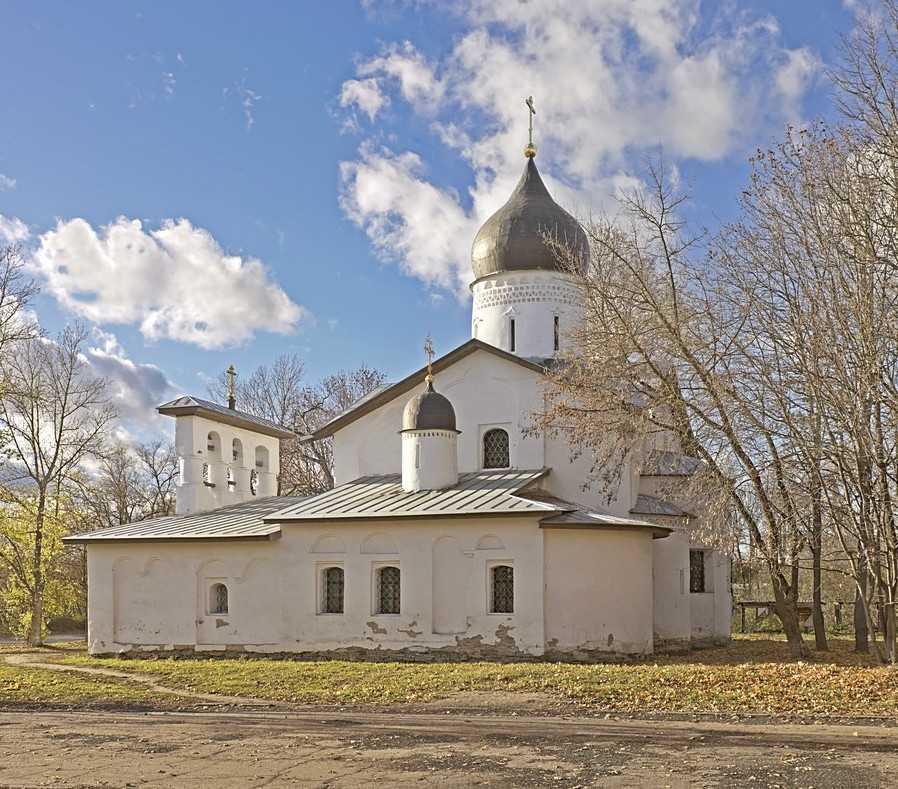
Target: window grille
(388, 590)
(333, 590)
(218, 599)
(495, 449)
(557, 340)
(502, 590)
(253, 481)
(696, 571)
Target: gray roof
(586, 519)
(186, 405)
(571, 515)
(428, 410)
(389, 392)
(238, 522)
(514, 238)
(652, 505)
(664, 463)
(477, 493)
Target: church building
(453, 528)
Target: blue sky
(352, 150)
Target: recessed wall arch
(328, 543)
(379, 542)
(489, 542)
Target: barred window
(502, 595)
(696, 571)
(218, 599)
(495, 449)
(333, 591)
(388, 590)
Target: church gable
(490, 390)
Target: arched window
(502, 589)
(262, 458)
(237, 451)
(213, 446)
(218, 599)
(495, 448)
(388, 590)
(332, 592)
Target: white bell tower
(225, 456)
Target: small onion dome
(428, 411)
(513, 239)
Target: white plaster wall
(599, 590)
(429, 459)
(711, 611)
(274, 589)
(671, 587)
(191, 443)
(532, 299)
(485, 391)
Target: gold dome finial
(530, 150)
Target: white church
(452, 528)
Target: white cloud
(13, 230)
(792, 77)
(613, 80)
(174, 282)
(135, 389)
(409, 68)
(407, 218)
(364, 94)
(7, 184)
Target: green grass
(752, 675)
(24, 685)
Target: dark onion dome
(428, 411)
(513, 239)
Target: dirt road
(448, 749)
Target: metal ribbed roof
(652, 505)
(187, 405)
(664, 463)
(477, 493)
(584, 519)
(237, 522)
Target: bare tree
(665, 349)
(54, 416)
(279, 393)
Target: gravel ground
(445, 746)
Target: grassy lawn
(753, 674)
(22, 685)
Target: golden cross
(532, 110)
(428, 352)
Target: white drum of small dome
(429, 459)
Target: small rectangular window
(502, 592)
(417, 456)
(696, 572)
(332, 579)
(388, 592)
(557, 338)
(511, 334)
